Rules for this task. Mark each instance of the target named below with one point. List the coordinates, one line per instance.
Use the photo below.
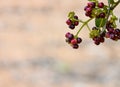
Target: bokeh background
(33, 51)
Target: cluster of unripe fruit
(105, 24)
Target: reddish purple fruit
(111, 30)
(72, 26)
(97, 42)
(117, 31)
(101, 5)
(79, 40)
(102, 39)
(74, 41)
(75, 46)
(85, 8)
(91, 4)
(112, 36)
(68, 22)
(89, 10)
(67, 34)
(70, 36)
(88, 14)
(76, 17)
(76, 23)
(107, 35)
(102, 15)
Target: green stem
(82, 27)
(88, 27)
(81, 21)
(114, 6)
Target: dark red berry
(111, 30)
(97, 39)
(91, 4)
(67, 34)
(102, 39)
(102, 15)
(79, 40)
(75, 46)
(72, 26)
(118, 36)
(112, 36)
(76, 23)
(68, 22)
(85, 8)
(97, 42)
(88, 14)
(89, 10)
(117, 31)
(101, 5)
(74, 41)
(70, 36)
(107, 35)
(76, 17)
(109, 25)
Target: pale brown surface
(33, 51)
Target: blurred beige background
(33, 51)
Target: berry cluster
(70, 39)
(91, 10)
(112, 33)
(105, 23)
(97, 36)
(72, 22)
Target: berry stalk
(85, 23)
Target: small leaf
(71, 14)
(100, 22)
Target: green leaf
(71, 14)
(100, 22)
